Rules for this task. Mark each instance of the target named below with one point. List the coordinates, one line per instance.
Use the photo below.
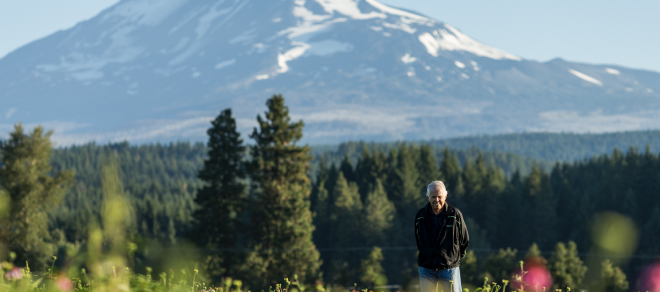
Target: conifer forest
(264, 212)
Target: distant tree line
(509, 162)
(567, 147)
(371, 203)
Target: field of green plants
(105, 276)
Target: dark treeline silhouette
(540, 208)
(509, 162)
(161, 181)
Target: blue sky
(624, 33)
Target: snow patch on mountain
(586, 77)
(612, 71)
(348, 8)
(308, 22)
(327, 47)
(400, 26)
(407, 16)
(224, 64)
(451, 39)
(408, 59)
(291, 54)
(475, 66)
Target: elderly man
(442, 240)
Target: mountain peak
(159, 70)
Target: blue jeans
(438, 281)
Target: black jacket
(446, 251)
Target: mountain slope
(157, 70)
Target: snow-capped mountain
(159, 70)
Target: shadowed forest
(269, 208)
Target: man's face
(436, 198)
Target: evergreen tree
(321, 179)
(404, 191)
(369, 169)
(450, 170)
(346, 226)
(472, 180)
(378, 215)
(650, 241)
(282, 221)
(371, 270)
(321, 206)
(541, 209)
(427, 167)
(491, 204)
(379, 166)
(405, 183)
(347, 169)
(333, 173)
(513, 199)
(469, 268)
(566, 267)
(25, 176)
(117, 216)
(363, 172)
(612, 278)
(222, 199)
(500, 265)
(534, 257)
(346, 212)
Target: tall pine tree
(378, 214)
(612, 279)
(222, 198)
(450, 170)
(282, 220)
(26, 177)
(346, 225)
(566, 267)
(428, 167)
(372, 273)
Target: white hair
(438, 184)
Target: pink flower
(64, 284)
(14, 274)
(651, 278)
(535, 278)
(538, 276)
